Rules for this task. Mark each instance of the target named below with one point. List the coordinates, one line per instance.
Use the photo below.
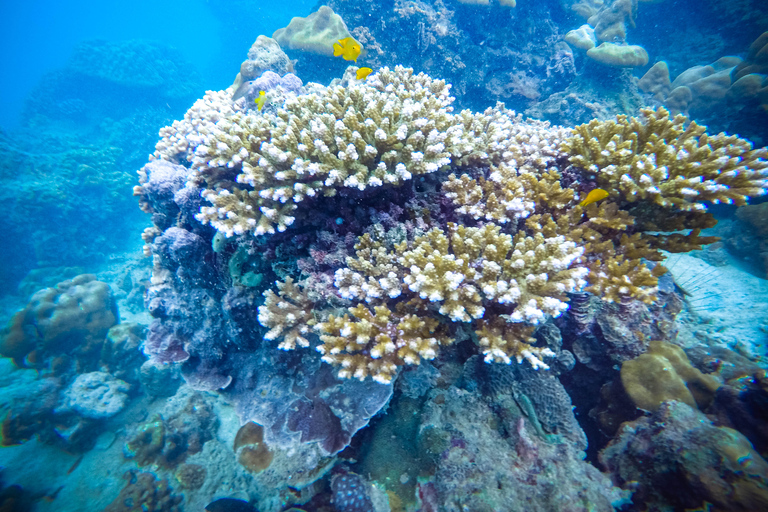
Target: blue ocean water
(427, 255)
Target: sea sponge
(665, 373)
(620, 56)
(314, 34)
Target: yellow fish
(347, 48)
(594, 196)
(363, 73)
(261, 100)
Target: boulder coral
(71, 318)
(314, 34)
(665, 373)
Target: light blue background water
(38, 36)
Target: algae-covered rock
(676, 459)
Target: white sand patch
(727, 306)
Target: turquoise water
(434, 255)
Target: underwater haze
(384, 256)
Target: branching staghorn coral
(379, 132)
(178, 141)
(465, 268)
(256, 167)
(498, 135)
(660, 160)
(287, 314)
(500, 340)
(375, 344)
(507, 194)
(440, 276)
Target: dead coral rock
(121, 353)
(184, 426)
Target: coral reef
(604, 36)
(411, 243)
(143, 492)
(729, 94)
(85, 129)
(95, 395)
(488, 52)
(181, 430)
(265, 54)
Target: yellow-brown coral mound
(671, 162)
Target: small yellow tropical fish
(347, 49)
(363, 73)
(594, 196)
(261, 100)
